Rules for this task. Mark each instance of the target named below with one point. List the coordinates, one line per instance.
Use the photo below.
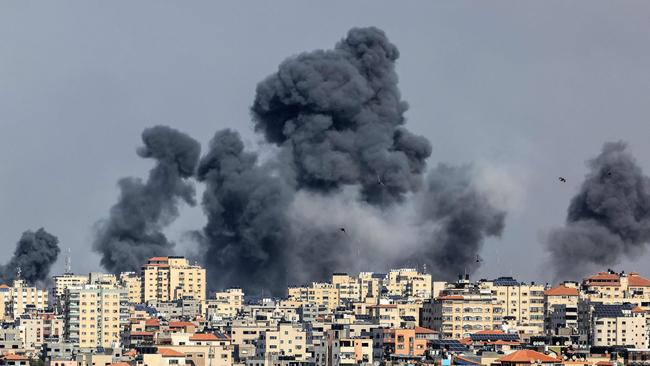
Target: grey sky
(530, 88)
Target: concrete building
(133, 285)
(172, 278)
(287, 340)
(616, 288)
(561, 309)
(95, 315)
(408, 282)
(521, 302)
(616, 325)
(225, 305)
(20, 298)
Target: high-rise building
(172, 278)
(561, 309)
(20, 298)
(95, 315)
(522, 303)
(133, 285)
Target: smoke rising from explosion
(133, 231)
(34, 254)
(339, 114)
(345, 191)
(246, 239)
(608, 219)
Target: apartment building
(95, 315)
(561, 309)
(462, 309)
(244, 335)
(523, 303)
(132, 282)
(62, 282)
(616, 325)
(226, 304)
(172, 278)
(615, 288)
(408, 282)
(286, 340)
(20, 298)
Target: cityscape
(293, 183)
(163, 315)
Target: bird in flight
(379, 181)
(342, 229)
(562, 179)
(478, 259)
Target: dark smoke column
(339, 115)
(34, 255)
(463, 217)
(608, 219)
(133, 231)
(245, 240)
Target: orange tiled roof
(14, 357)
(638, 309)
(204, 337)
(451, 297)
(152, 322)
(4, 286)
(141, 333)
(527, 356)
(562, 291)
(131, 353)
(158, 259)
(180, 324)
(120, 364)
(604, 276)
(423, 330)
(168, 352)
(501, 342)
(637, 281)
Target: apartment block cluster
(163, 315)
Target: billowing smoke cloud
(344, 192)
(608, 219)
(246, 235)
(34, 255)
(462, 214)
(340, 116)
(133, 231)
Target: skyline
(83, 100)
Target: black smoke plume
(133, 231)
(462, 215)
(340, 115)
(247, 227)
(335, 196)
(34, 255)
(608, 219)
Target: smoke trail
(246, 241)
(133, 231)
(608, 219)
(339, 113)
(34, 254)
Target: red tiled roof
(562, 291)
(423, 330)
(168, 352)
(131, 353)
(152, 323)
(451, 297)
(152, 259)
(638, 281)
(141, 334)
(204, 337)
(4, 286)
(527, 356)
(638, 309)
(14, 357)
(180, 324)
(501, 342)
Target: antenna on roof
(68, 262)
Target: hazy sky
(532, 89)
